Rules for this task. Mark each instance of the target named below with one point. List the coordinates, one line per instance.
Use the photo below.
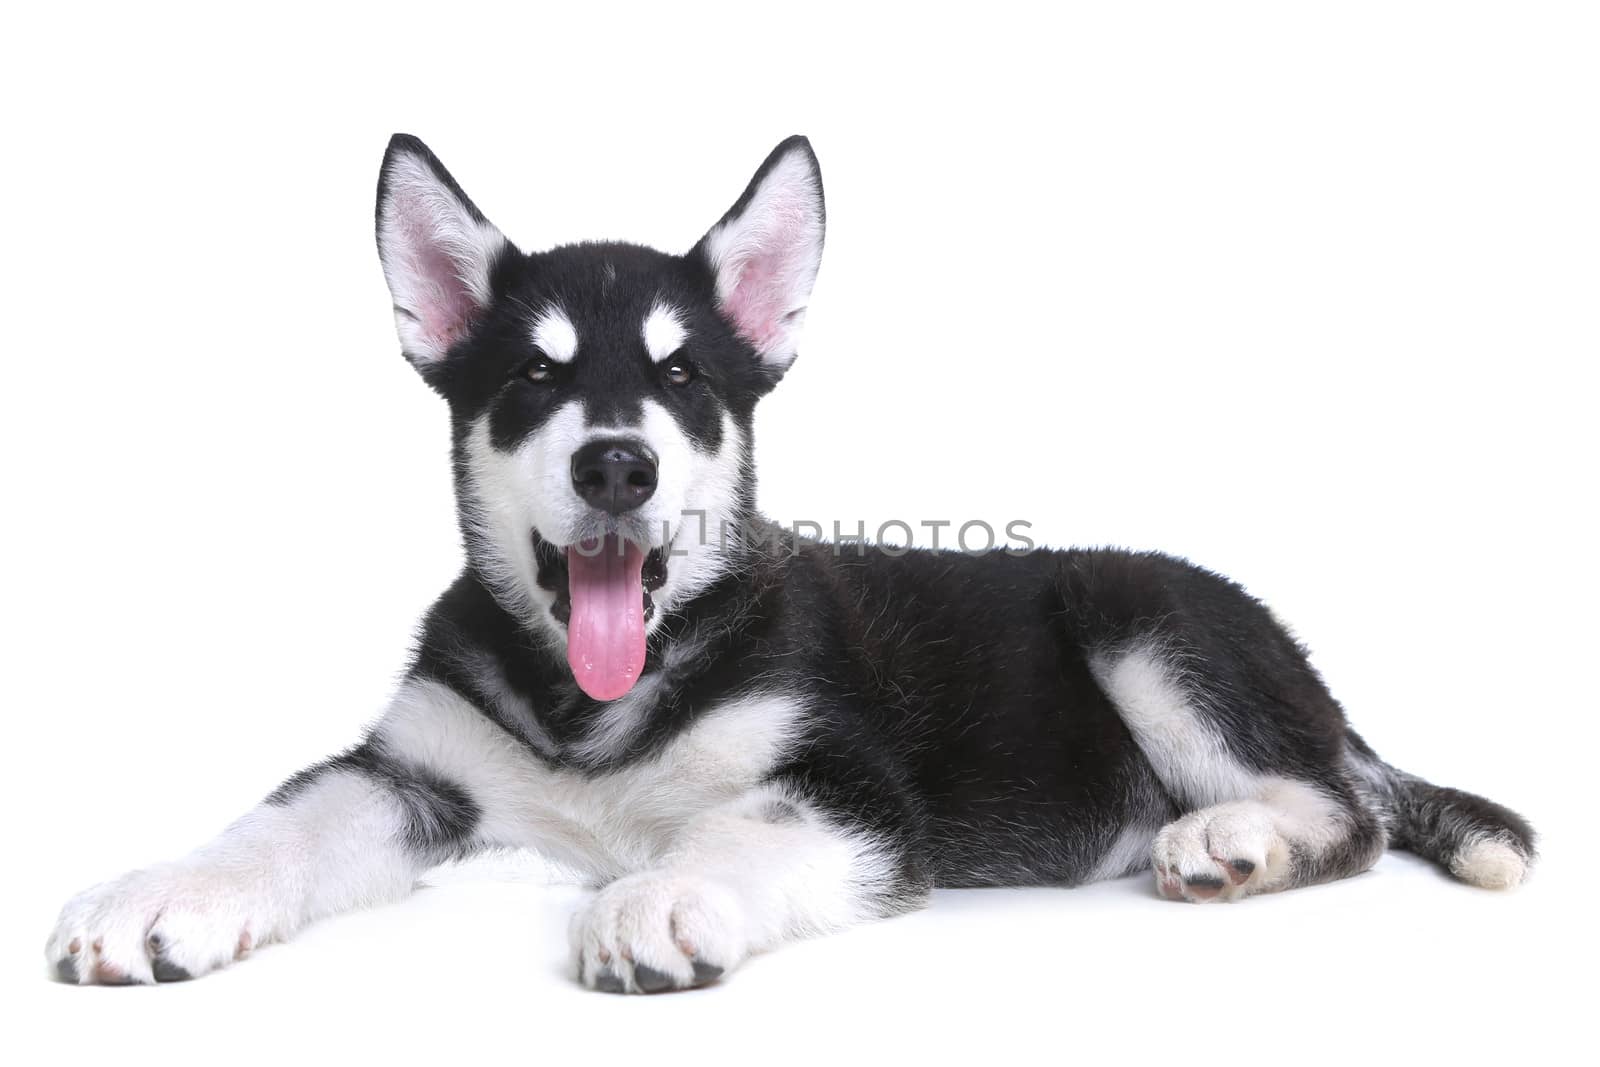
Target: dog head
(601, 394)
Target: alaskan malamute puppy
(741, 735)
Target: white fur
(766, 258)
(663, 331)
(330, 849)
(530, 488)
(1187, 754)
(664, 920)
(507, 495)
(554, 335)
(1489, 864)
(607, 824)
(1243, 815)
(692, 823)
(687, 831)
(1263, 830)
(436, 257)
(735, 882)
(694, 497)
(1129, 853)
(1203, 843)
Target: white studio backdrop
(1306, 294)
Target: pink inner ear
(756, 303)
(441, 300)
(449, 306)
(769, 277)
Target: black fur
(966, 731)
(1436, 822)
(439, 815)
(954, 710)
(1006, 718)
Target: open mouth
(605, 605)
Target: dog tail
(1478, 841)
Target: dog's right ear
(437, 249)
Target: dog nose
(614, 475)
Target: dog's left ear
(765, 252)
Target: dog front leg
(351, 832)
(746, 876)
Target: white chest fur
(604, 824)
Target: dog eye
(679, 372)
(541, 372)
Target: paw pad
(1220, 853)
(656, 932)
(163, 924)
(650, 980)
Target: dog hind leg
(1236, 724)
(1246, 830)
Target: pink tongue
(605, 636)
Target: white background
(1306, 295)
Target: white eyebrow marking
(555, 335)
(664, 332)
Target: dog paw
(165, 924)
(1220, 853)
(656, 932)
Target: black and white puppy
(741, 735)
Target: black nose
(614, 475)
